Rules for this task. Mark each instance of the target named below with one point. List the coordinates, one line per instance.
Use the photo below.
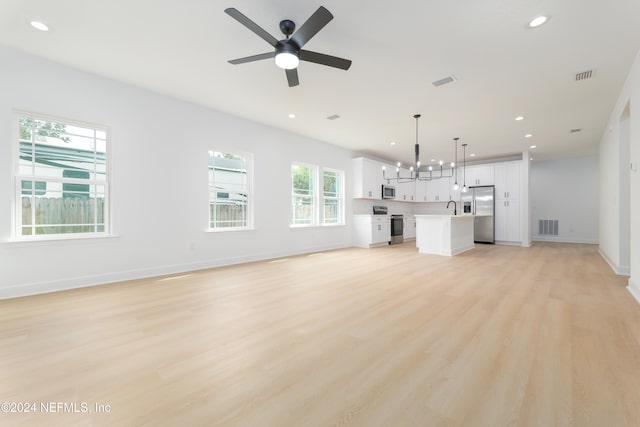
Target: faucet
(455, 206)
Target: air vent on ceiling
(575, 130)
(584, 75)
(448, 79)
(333, 117)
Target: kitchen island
(444, 234)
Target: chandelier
(417, 172)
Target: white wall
(159, 152)
(566, 190)
(619, 188)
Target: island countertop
(444, 234)
(444, 216)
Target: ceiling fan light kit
(287, 60)
(288, 52)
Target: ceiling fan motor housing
(287, 46)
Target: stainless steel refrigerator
(480, 201)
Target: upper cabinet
(367, 178)
(405, 191)
(368, 181)
(421, 191)
(439, 190)
(477, 175)
(507, 180)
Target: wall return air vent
(548, 227)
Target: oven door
(397, 229)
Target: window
(229, 191)
(313, 200)
(303, 194)
(61, 180)
(332, 197)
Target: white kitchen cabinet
(507, 221)
(372, 230)
(367, 178)
(441, 190)
(507, 213)
(477, 175)
(409, 228)
(405, 191)
(507, 180)
(421, 191)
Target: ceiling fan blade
(292, 77)
(252, 58)
(310, 28)
(238, 16)
(321, 58)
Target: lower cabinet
(409, 228)
(372, 230)
(507, 220)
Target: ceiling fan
(289, 52)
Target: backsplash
(365, 207)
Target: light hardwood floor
(498, 336)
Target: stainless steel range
(397, 229)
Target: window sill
(57, 240)
(229, 230)
(316, 225)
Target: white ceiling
(503, 69)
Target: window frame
(249, 167)
(18, 178)
(340, 198)
(318, 198)
(313, 196)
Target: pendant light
(464, 168)
(418, 172)
(455, 165)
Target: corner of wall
(634, 289)
(620, 270)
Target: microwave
(388, 192)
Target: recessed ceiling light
(472, 155)
(538, 20)
(433, 160)
(519, 118)
(532, 146)
(39, 26)
(292, 116)
(393, 143)
(529, 135)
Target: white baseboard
(620, 270)
(48, 286)
(564, 240)
(462, 249)
(506, 243)
(634, 289)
